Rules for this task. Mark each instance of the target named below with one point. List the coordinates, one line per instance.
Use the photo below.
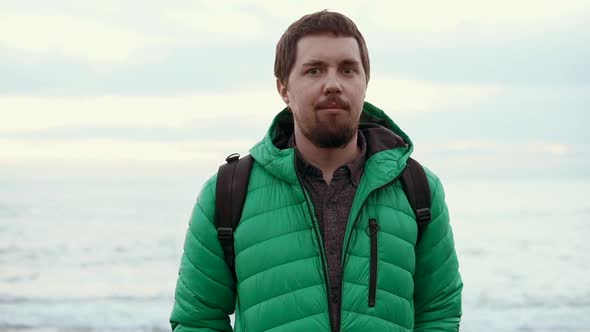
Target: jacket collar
(388, 147)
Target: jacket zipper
(372, 231)
(321, 244)
(344, 248)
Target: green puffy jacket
(280, 263)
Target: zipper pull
(373, 227)
(372, 230)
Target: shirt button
(334, 299)
(332, 251)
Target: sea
(102, 253)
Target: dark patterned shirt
(332, 203)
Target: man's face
(326, 89)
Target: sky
(159, 88)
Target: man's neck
(327, 159)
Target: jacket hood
(388, 147)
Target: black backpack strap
(415, 184)
(230, 195)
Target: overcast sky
(171, 87)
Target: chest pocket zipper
(372, 231)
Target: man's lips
(332, 110)
(332, 104)
(331, 107)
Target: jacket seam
(199, 298)
(413, 245)
(269, 239)
(384, 290)
(206, 275)
(443, 263)
(202, 210)
(412, 216)
(279, 295)
(449, 285)
(435, 192)
(245, 220)
(380, 318)
(298, 319)
(385, 262)
(203, 244)
(442, 238)
(275, 266)
(273, 161)
(359, 229)
(262, 186)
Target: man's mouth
(332, 106)
(335, 107)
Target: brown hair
(319, 22)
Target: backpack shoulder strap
(230, 195)
(415, 184)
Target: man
(327, 240)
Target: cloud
(485, 159)
(84, 48)
(433, 20)
(101, 157)
(463, 16)
(215, 22)
(22, 113)
(116, 151)
(163, 131)
(126, 78)
(70, 36)
(102, 34)
(203, 109)
(556, 148)
(493, 159)
(547, 148)
(407, 95)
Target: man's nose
(332, 84)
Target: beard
(330, 133)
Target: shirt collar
(354, 167)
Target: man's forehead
(322, 47)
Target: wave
(79, 328)
(7, 299)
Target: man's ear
(282, 89)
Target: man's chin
(331, 139)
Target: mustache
(333, 101)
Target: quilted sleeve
(205, 290)
(437, 282)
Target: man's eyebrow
(313, 63)
(316, 63)
(350, 62)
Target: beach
(102, 254)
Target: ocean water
(102, 254)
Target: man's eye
(313, 71)
(349, 70)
